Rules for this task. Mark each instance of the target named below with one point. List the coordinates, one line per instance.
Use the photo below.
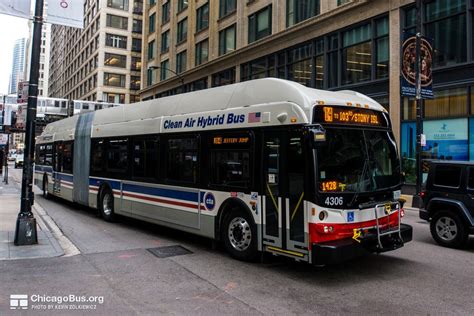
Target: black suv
(448, 201)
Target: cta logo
(209, 201)
(18, 301)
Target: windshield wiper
(364, 170)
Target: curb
(68, 247)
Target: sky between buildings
(11, 29)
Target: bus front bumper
(337, 251)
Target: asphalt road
(418, 279)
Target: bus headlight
(323, 215)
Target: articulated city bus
(265, 165)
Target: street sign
(408, 71)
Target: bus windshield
(356, 160)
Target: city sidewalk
(47, 245)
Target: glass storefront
(447, 121)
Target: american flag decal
(254, 117)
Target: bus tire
(45, 187)
(239, 235)
(106, 205)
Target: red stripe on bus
(346, 230)
(160, 200)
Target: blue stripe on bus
(44, 168)
(168, 193)
(133, 188)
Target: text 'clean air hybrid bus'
(265, 165)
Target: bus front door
(284, 215)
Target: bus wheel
(239, 234)
(106, 205)
(45, 187)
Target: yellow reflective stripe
(293, 253)
(297, 206)
(273, 198)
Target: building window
(202, 52)
(165, 15)
(260, 24)
(118, 22)
(151, 50)
(226, 7)
(259, 68)
(300, 64)
(135, 82)
(115, 60)
(356, 55)
(223, 78)
(117, 41)
(227, 40)
(182, 31)
(151, 23)
(118, 4)
(115, 80)
(136, 64)
(202, 17)
(447, 103)
(137, 26)
(117, 98)
(183, 159)
(136, 45)
(181, 62)
(138, 7)
(341, 2)
(165, 41)
(446, 25)
(152, 2)
(300, 10)
(333, 65)
(164, 69)
(382, 48)
(319, 69)
(149, 77)
(182, 4)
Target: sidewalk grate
(169, 251)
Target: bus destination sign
(349, 116)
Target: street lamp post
(25, 232)
(172, 71)
(419, 100)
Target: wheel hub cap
(240, 234)
(107, 204)
(446, 228)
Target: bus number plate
(334, 200)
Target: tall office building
(18, 64)
(325, 44)
(44, 58)
(101, 62)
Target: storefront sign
(408, 84)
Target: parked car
(448, 202)
(19, 161)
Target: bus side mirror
(317, 134)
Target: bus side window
(230, 168)
(48, 155)
(68, 149)
(145, 158)
(117, 156)
(97, 159)
(182, 160)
